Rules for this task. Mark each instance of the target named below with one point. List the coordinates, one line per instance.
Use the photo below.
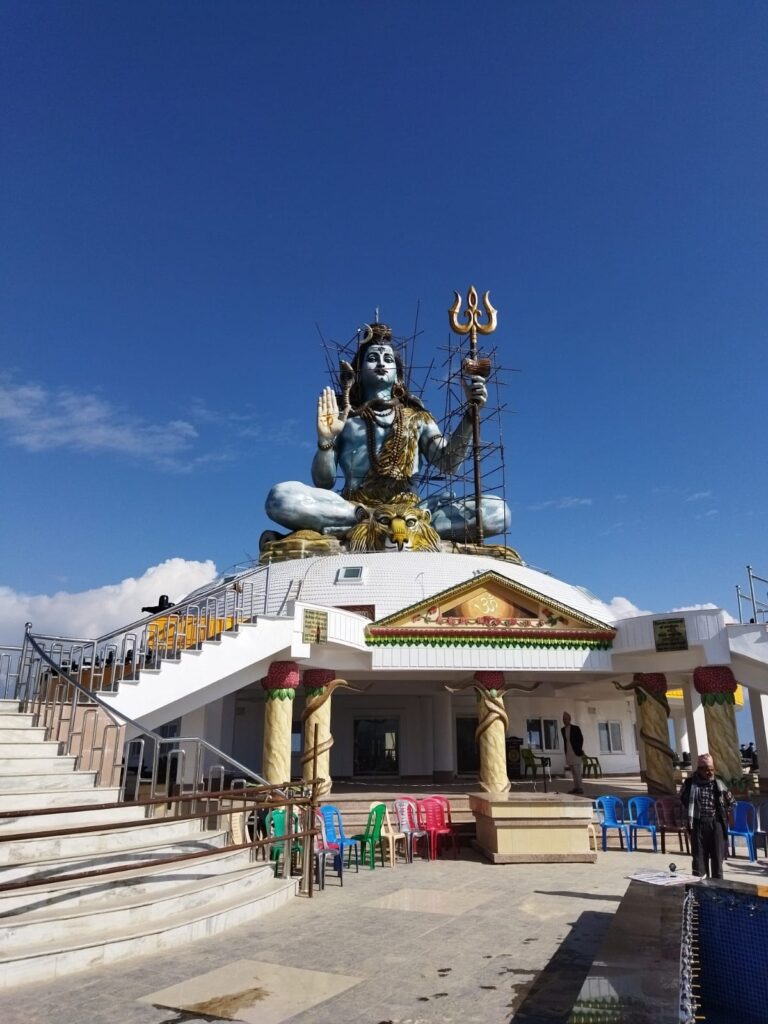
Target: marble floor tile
(431, 901)
(252, 991)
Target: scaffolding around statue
(411, 482)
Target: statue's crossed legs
(296, 506)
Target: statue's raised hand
(330, 422)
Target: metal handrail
(223, 805)
(10, 669)
(177, 609)
(758, 607)
(118, 718)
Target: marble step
(48, 765)
(241, 903)
(21, 733)
(21, 751)
(70, 816)
(79, 845)
(104, 890)
(15, 720)
(124, 859)
(44, 783)
(61, 925)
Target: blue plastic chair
(642, 815)
(334, 833)
(744, 826)
(610, 814)
(324, 850)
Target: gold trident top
(472, 315)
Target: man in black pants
(706, 800)
(573, 745)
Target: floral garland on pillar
(282, 680)
(715, 684)
(717, 687)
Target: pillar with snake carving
(280, 687)
(653, 714)
(491, 731)
(317, 712)
(717, 686)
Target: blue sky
(189, 188)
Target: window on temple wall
(610, 737)
(543, 733)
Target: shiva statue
(379, 439)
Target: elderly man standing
(706, 800)
(573, 744)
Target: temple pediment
(490, 609)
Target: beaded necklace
(395, 443)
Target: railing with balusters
(94, 733)
(10, 661)
(100, 665)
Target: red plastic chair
(446, 807)
(433, 820)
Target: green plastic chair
(529, 761)
(276, 827)
(591, 766)
(372, 836)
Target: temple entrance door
(467, 754)
(376, 746)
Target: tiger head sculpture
(395, 526)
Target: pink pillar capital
(653, 682)
(490, 680)
(282, 680)
(318, 678)
(714, 679)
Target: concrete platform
(532, 828)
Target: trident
(477, 368)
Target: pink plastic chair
(432, 814)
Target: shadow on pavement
(578, 895)
(549, 998)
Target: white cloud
(39, 419)
(567, 502)
(699, 496)
(703, 607)
(710, 514)
(622, 608)
(92, 613)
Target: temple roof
(382, 583)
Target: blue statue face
(378, 368)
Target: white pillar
(681, 730)
(694, 717)
(443, 738)
(758, 706)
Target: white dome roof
(394, 580)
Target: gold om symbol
(487, 604)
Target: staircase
(56, 827)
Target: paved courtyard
(427, 943)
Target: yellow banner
(738, 696)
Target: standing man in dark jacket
(573, 745)
(706, 800)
